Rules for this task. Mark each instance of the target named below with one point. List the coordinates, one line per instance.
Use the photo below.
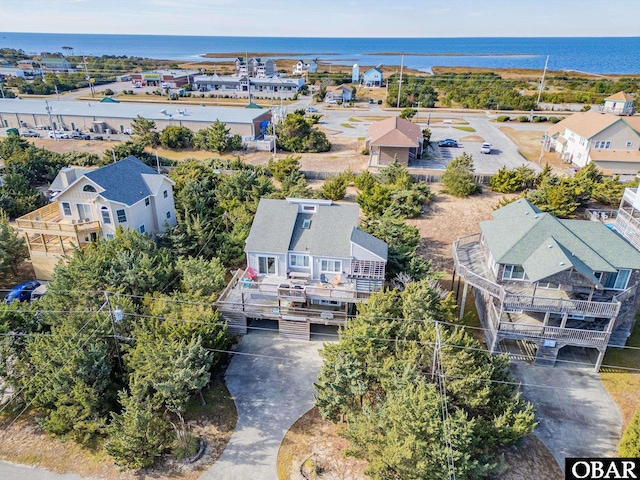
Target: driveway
(576, 414)
(11, 471)
(272, 387)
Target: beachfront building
(392, 139)
(300, 67)
(549, 282)
(113, 118)
(239, 87)
(355, 74)
(611, 141)
(620, 103)
(6, 72)
(307, 263)
(56, 65)
(167, 78)
(255, 67)
(91, 204)
(372, 77)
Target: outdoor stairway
(236, 321)
(294, 327)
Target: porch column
(601, 352)
(464, 300)
(44, 243)
(546, 319)
(564, 320)
(453, 279)
(61, 239)
(593, 287)
(609, 329)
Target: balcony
(471, 263)
(48, 221)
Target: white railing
(234, 281)
(572, 335)
(328, 317)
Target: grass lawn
(347, 125)
(24, 442)
(354, 119)
(623, 385)
(465, 129)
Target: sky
(328, 18)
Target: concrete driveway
(12, 471)
(576, 414)
(272, 387)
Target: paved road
(576, 414)
(271, 392)
(10, 471)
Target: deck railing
(572, 335)
(44, 220)
(232, 284)
(561, 305)
(528, 302)
(325, 292)
(328, 317)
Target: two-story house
(307, 263)
(300, 67)
(255, 67)
(56, 65)
(338, 94)
(372, 78)
(392, 139)
(551, 282)
(611, 141)
(620, 103)
(91, 204)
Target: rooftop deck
(47, 220)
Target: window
(165, 194)
(309, 208)
(168, 214)
(66, 209)
(146, 202)
(513, 272)
(549, 285)
(122, 216)
(629, 144)
(89, 188)
(602, 144)
(106, 218)
(84, 212)
(109, 236)
(142, 229)
(306, 223)
(267, 265)
(331, 266)
(296, 260)
(618, 281)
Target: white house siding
(317, 267)
(281, 262)
(163, 205)
(619, 168)
(139, 214)
(360, 253)
(618, 134)
(577, 148)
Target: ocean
(593, 54)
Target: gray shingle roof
(519, 232)
(277, 228)
(122, 181)
(369, 242)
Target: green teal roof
(520, 232)
(253, 105)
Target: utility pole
(400, 81)
(48, 109)
(157, 162)
(542, 82)
(115, 316)
(57, 95)
(442, 390)
(87, 76)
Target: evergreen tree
(458, 176)
(13, 249)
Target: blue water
(593, 54)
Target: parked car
(79, 136)
(98, 137)
(312, 110)
(27, 132)
(21, 293)
(485, 148)
(12, 132)
(448, 142)
(371, 101)
(379, 102)
(58, 134)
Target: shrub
(554, 119)
(365, 180)
(365, 151)
(630, 443)
(538, 119)
(107, 92)
(523, 119)
(335, 187)
(458, 177)
(174, 136)
(282, 168)
(503, 118)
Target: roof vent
(518, 201)
(526, 213)
(562, 264)
(549, 246)
(535, 216)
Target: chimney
(68, 176)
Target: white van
(485, 148)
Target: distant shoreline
(451, 54)
(369, 54)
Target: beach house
(550, 283)
(308, 263)
(91, 204)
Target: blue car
(21, 293)
(448, 142)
